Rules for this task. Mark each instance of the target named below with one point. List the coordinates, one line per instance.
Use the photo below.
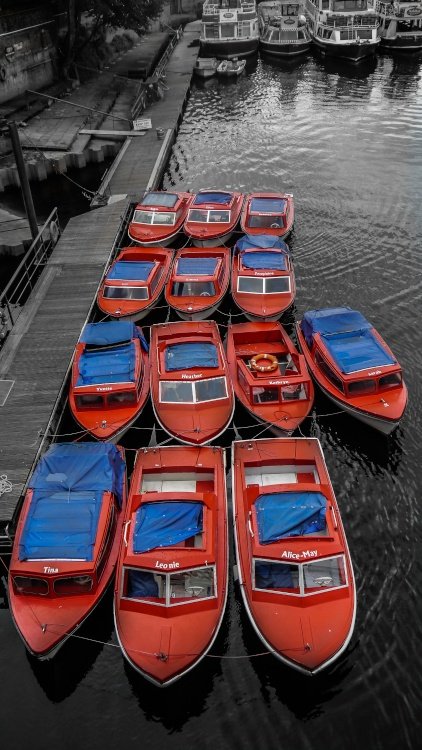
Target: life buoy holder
(270, 359)
(54, 232)
(3, 73)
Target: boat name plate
(289, 555)
(264, 273)
(279, 382)
(167, 566)
(105, 388)
(47, 569)
(375, 372)
(194, 376)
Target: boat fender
(272, 362)
(54, 232)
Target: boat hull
(401, 44)
(159, 242)
(200, 315)
(382, 425)
(354, 52)
(229, 48)
(211, 241)
(277, 49)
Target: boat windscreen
(268, 205)
(131, 270)
(258, 260)
(357, 350)
(110, 332)
(194, 289)
(196, 266)
(61, 525)
(165, 524)
(332, 320)
(126, 292)
(167, 200)
(190, 355)
(114, 365)
(285, 514)
(261, 241)
(209, 197)
(250, 285)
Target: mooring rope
(5, 485)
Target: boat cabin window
(361, 387)
(328, 372)
(283, 577)
(153, 217)
(73, 585)
(266, 222)
(262, 395)
(193, 289)
(89, 401)
(169, 589)
(209, 217)
(124, 398)
(277, 284)
(347, 5)
(175, 391)
(324, 574)
(28, 585)
(250, 285)
(392, 380)
(294, 392)
(126, 292)
(211, 389)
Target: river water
(347, 142)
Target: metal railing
(144, 93)
(26, 275)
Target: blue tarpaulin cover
(222, 199)
(68, 484)
(271, 260)
(189, 355)
(196, 266)
(131, 270)
(261, 241)
(268, 205)
(348, 336)
(114, 365)
(110, 332)
(285, 514)
(164, 524)
(167, 200)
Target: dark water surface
(348, 143)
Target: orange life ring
(269, 358)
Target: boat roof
(256, 260)
(114, 364)
(190, 355)
(166, 523)
(109, 333)
(200, 266)
(281, 515)
(348, 337)
(68, 485)
(261, 241)
(218, 197)
(131, 270)
(159, 200)
(267, 205)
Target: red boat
(269, 213)
(134, 282)
(212, 217)
(110, 378)
(171, 584)
(159, 217)
(294, 565)
(191, 391)
(263, 280)
(198, 281)
(269, 376)
(353, 366)
(67, 541)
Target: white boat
(282, 28)
(400, 25)
(205, 67)
(231, 68)
(346, 29)
(229, 29)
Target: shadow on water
(346, 68)
(60, 676)
(285, 64)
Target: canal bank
(35, 359)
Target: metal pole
(23, 178)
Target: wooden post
(23, 178)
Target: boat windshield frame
(143, 289)
(209, 212)
(300, 566)
(193, 384)
(263, 280)
(168, 600)
(152, 214)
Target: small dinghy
(67, 541)
(231, 68)
(134, 282)
(353, 366)
(110, 378)
(159, 217)
(171, 584)
(205, 67)
(198, 281)
(191, 390)
(263, 280)
(269, 213)
(269, 376)
(212, 217)
(294, 566)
